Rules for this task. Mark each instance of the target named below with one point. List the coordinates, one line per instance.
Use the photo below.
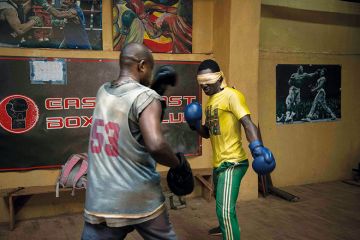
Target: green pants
(227, 178)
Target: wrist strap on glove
(254, 144)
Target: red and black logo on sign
(18, 114)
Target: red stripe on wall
(158, 47)
(30, 168)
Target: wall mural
(64, 24)
(164, 26)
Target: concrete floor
(328, 211)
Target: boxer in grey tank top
(126, 142)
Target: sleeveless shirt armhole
(142, 101)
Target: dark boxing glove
(16, 108)
(165, 76)
(264, 161)
(180, 179)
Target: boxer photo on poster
(164, 26)
(65, 24)
(307, 93)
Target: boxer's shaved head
(137, 60)
(134, 53)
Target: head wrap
(211, 78)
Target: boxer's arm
(14, 22)
(203, 131)
(319, 84)
(251, 131)
(310, 76)
(264, 161)
(154, 140)
(61, 14)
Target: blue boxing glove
(193, 115)
(264, 161)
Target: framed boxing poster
(46, 107)
(307, 93)
(164, 26)
(62, 24)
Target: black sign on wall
(46, 107)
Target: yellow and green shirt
(223, 112)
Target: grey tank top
(122, 177)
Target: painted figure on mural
(127, 26)
(75, 35)
(12, 24)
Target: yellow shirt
(223, 112)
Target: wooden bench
(204, 176)
(17, 197)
